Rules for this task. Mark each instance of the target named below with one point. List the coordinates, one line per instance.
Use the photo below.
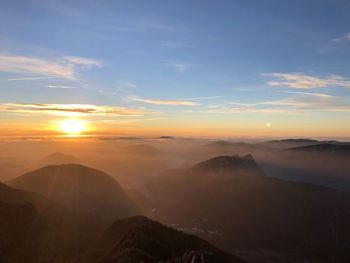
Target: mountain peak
(78, 187)
(227, 164)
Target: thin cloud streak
(73, 109)
(306, 93)
(302, 81)
(59, 87)
(32, 78)
(305, 102)
(86, 62)
(166, 102)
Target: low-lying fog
(133, 161)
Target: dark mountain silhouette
(57, 159)
(227, 164)
(324, 164)
(21, 230)
(79, 187)
(236, 211)
(36, 229)
(289, 143)
(325, 148)
(139, 239)
(166, 137)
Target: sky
(273, 68)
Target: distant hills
(79, 187)
(324, 148)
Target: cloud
(166, 102)
(302, 81)
(344, 38)
(32, 78)
(180, 67)
(203, 98)
(142, 27)
(73, 109)
(224, 109)
(59, 87)
(305, 93)
(316, 101)
(301, 103)
(86, 62)
(65, 68)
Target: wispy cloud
(203, 98)
(180, 67)
(301, 103)
(65, 68)
(32, 78)
(343, 38)
(73, 109)
(166, 102)
(60, 87)
(302, 81)
(311, 101)
(142, 27)
(86, 62)
(305, 93)
(224, 109)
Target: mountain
(166, 137)
(243, 209)
(288, 143)
(227, 164)
(57, 159)
(325, 148)
(323, 164)
(139, 239)
(36, 229)
(79, 187)
(21, 229)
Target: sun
(72, 126)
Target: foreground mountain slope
(237, 207)
(21, 229)
(78, 187)
(36, 229)
(139, 239)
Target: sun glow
(72, 126)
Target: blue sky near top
(180, 58)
